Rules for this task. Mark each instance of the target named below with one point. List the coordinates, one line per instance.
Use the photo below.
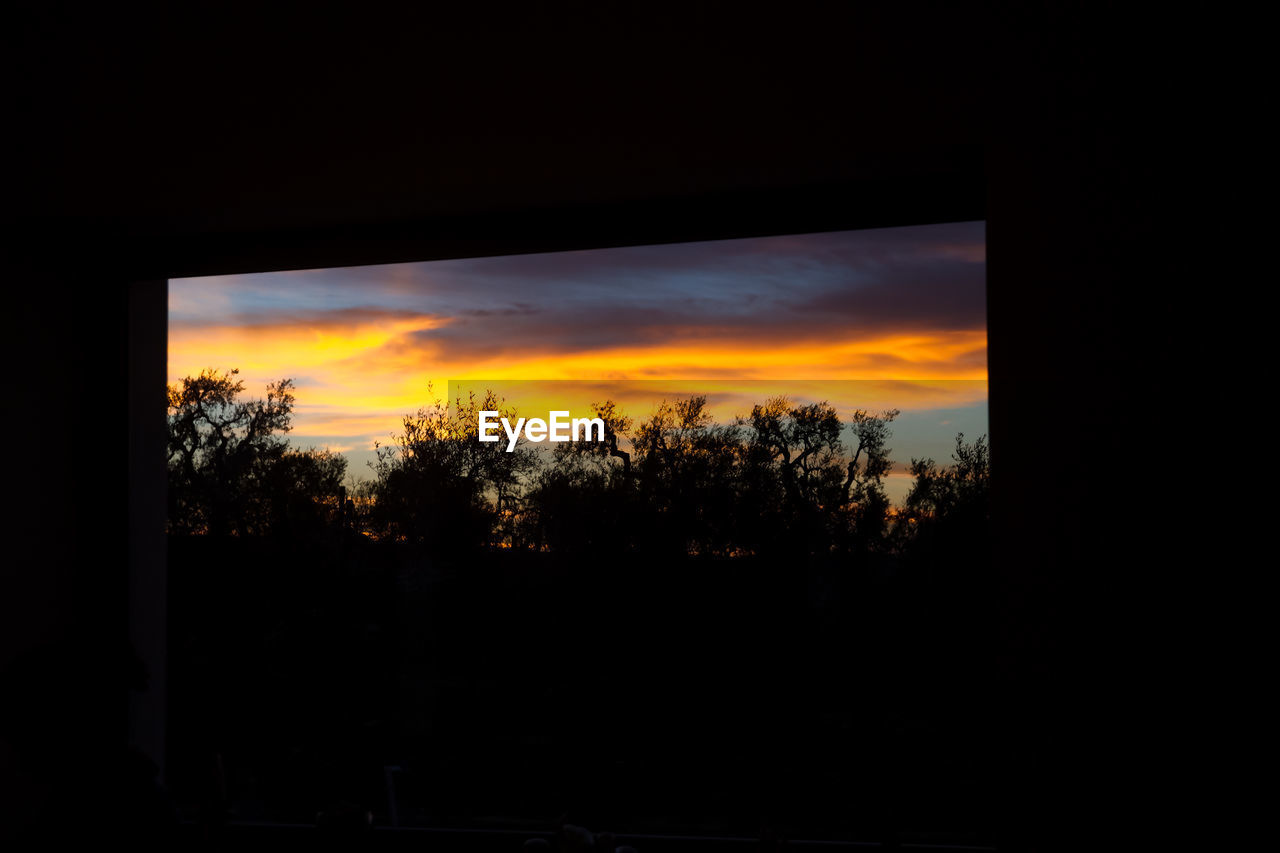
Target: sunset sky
(902, 310)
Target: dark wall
(146, 144)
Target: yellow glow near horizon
(727, 398)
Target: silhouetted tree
(304, 490)
(799, 479)
(585, 500)
(864, 495)
(617, 432)
(230, 466)
(687, 466)
(439, 485)
(956, 495)
(802, 444)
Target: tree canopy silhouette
(231, 469)
(800, 479)
(438, 485)
(585, 500)
(944, 499)
(688, 467)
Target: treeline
(787, 480)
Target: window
(749, 608)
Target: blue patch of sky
(932, 432)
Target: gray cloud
(770, 291)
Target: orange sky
(738, 320)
